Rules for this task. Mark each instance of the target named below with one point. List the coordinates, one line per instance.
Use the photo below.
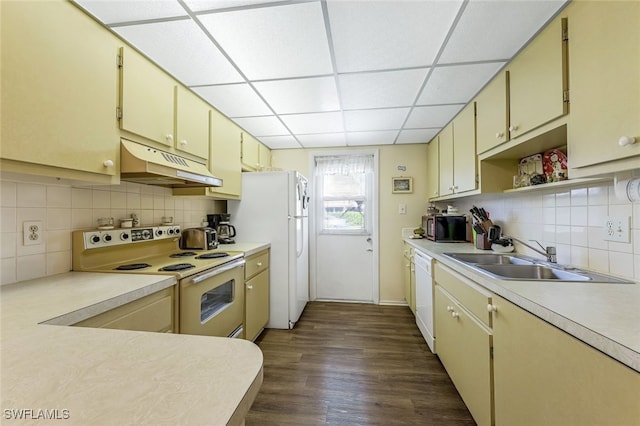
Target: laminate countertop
(605, 316)
(89, 376)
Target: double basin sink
(524, 268)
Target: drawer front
(256, 264)
(471, 295)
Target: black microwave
(445, 228)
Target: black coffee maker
(225, 231)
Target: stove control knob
(176, 231)
(107, 238)
(124, 236)
(146, 234)
(94, 239)
(159, 232)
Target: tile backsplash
(573, 220)
(64, 208)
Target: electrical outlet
(402, 209)
(33, 231)
(616, 228)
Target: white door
(345, 227)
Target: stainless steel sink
(524, 268)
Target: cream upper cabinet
(58, 91)
(491, 114)
(605, 82)
(433, 168)
(224, 161)
(543, 376)
(537, 80)
(250, 152)
(146, 99)
(192, 123)
(264, 156)
(457, 154)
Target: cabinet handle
(169, 138)
(626, 140)
(183, 142)
(406, 265)
(449, 309)
(249, 287)
(259, 263)
(108, 163)
(499, 135)
(513, 128)
(492, 308)
(454, 314)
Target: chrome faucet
(549, 251)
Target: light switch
(402, 209)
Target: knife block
(482, 242)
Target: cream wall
(413, 158)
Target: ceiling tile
(199, 5)
(417, 135)
(274, 42)
(381, 89)
(280, 142)
(375, 119)
(457, 84)
(181, 48)
(323, 140)
(385, 137)
(234, 100)
(262, 126)
(322, 122)
(496, 29)
(431, 116)
(376, 35)
(110, 11)
(300, 95)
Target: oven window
(215, 300)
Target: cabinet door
(192, 123)
(59, 89)
(264, 154)
(605, 87)
(464, 347)
(433, 168)
(250, 152)
(406, 279)
(537, 81)
(446, 160)
(464, 150)
(146, 98)
(257, 304)
(491, 114)
(544, 376)
(225, 155)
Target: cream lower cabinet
(58, 92)
(409, 277)
(256, 294)
(543, 376)
(465, 341)
(155, 312)
(605, 84)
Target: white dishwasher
(424, 297)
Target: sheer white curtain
(344, 165)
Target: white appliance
(274, 208)
(424, 297)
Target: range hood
(151, 166)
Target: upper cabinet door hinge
(565, 96)
(119, 60)
(119, 113)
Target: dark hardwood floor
(353, 364)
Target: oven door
(212, 302)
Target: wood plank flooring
(353, 364)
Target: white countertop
(248, 248)
(603, 315)
(115, 377)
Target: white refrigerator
(274, 208)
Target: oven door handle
(216, 271)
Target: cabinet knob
(183, 142)
(499, 135)
(249, 287)
(108, 163)
(259, 263)
(492, 308)
(169, 138)
(454, 314)
(513, 128)
(626, 140)
(449, 309)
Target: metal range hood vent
(151, 166)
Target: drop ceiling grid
(325, 73)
